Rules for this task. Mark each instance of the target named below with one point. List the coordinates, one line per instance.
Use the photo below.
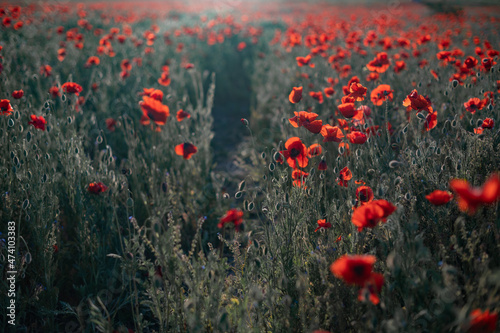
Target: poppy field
(237, 166)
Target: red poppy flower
(343, 124)
(329, 92)
(126, 65)
(470, 62)
(317, 95)
(308, 120)
(92, 61)
(331, 133)
(430, 121)
(345, 89)
(303, 61)
(487, 63)
(347, 99)
(164, 80)
(479, 51)
(372, 130)
(489, 98)
(110, 124)
(124, 74)
(381, 93)
(424, 39)
(155, 110)
(478, 130)
(417, 102)
(181, 115)
(347, 109)
(17, 94)
(439, 197)
(357, 137)
(369, 215)
(323, 224)
(153, 93)
(46, 70)
(482, 322)
(295, 95)
(474, 104)
(488, 123)
(364, 194)
(373, 76)
(234, 216)
(314, 150)
(344, 176)
(299, 177)
(38, 122)
(345, 71)
(470, 198)
(332, 81)
(55, 92)
(354, 269)
(445, 56)
(61, 54)
(372, 289)
(357, 91)
(493, 53)
(399, 66)
(186, 150)
(380, 64)
(72, 88)
(241, 46)
(7, 21)
(458, 77)
(5, 107)
(121, 39)
(295, 153)
(97, 188)
(444, 44)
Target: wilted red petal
(353, 269)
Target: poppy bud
(322, 165)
